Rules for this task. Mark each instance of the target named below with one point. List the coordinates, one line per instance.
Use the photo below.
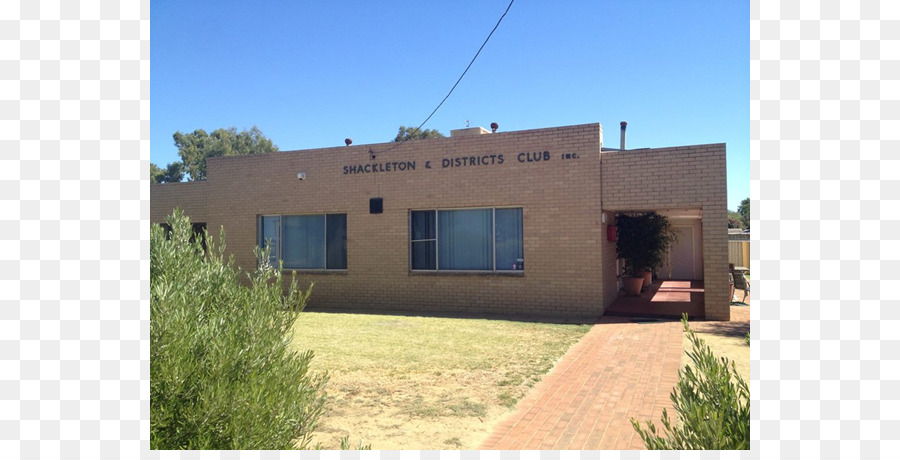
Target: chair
(740, 282)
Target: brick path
(620, 369)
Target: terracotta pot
(633, 286)
(648, 278)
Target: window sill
(513, 274)
(313, 271)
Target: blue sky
(310, 74)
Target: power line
(457, 81)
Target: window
(316, 242)
(467, 239)
(197, 231)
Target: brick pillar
(715, 262)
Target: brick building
(475, 223)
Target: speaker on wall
(376, 205)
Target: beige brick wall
(561, 212)
(569, 264)
(609, 269)
(676, 178)
(191, 197)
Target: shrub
(712, 402)
(643, 241)
(222, 373)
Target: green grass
(401, 345)
(453, 442)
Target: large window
(467, 239)
(316, 242)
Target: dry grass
(726, 339)
(405, 382)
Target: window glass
(508, 229)
(304, 241)
(336, 241)
(465, 240)
(423, 255)
(269, 237)
(422, 225)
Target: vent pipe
(624, 124)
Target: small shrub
(712, 402)
(453, 442)
(345, 444)
(222, 374)
(748, 337)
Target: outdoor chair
(740, 282)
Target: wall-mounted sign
(457, 162)
(380, 167)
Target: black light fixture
(376, 205)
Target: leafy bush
(712, 402)
(222, 374)
(643, 240)
(748, 338)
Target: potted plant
(643, 240)
(631, 248)
(660, 238)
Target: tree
(156, 173)
(735, 220)
(174, 172)
(409, 133)
(744, 211)
(196, 147)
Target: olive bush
(222, 372)
(712, 402)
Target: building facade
(476, 223)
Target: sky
(310, 74)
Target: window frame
(437, 231)
(259, 227)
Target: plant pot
(648, 278)
(633, 286)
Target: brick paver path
(620, 369)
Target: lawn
(407, 382)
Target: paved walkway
(620, 369)
(665, 298)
